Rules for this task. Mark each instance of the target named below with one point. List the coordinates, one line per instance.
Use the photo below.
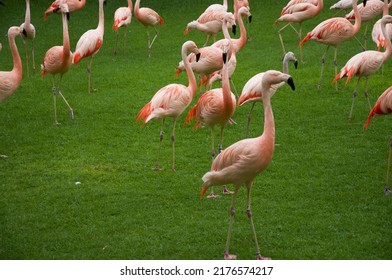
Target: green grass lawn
(320, 198)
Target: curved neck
(385, 8)
(388, 47)
(66, 44)
(130, 6)
(285, 65)
(240, 42)
(269, 122)
(189, 72)
(27, 17)
(227, 101)
(15, 55)
(101, 17)
(225, 4)
(136, 10)
(357, 16)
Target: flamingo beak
(296, 64)
(203, 191)
(224, 56)
(198, 56)
(234, 29)
(1, 2)
(250, 18)
(364, 3)
(290, 82)
(24, 32)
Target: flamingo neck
(385, 8)
(15, 56)
(240, 42)
(357, 16)
(269, 122)
(388, 47)
(27, 17)
(189, 72)
(66, 44)
(228, 107)
(130, 6)
(136, 10)
(285, 65)
(101, 26)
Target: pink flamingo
(377, 35)
(10, 80)
(298, 13)
(171, 100)
(333, 32)
(58, 60)
(28, 34)
(148, 17)
(366, 63)
(73, 6)
(238, 4)
(215, 107)
(372, 9)
(238, 44)
(90, 43)
(253, 89)
(341, 5)
(241, 162)
(383, 106)
(122, 18)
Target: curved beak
(234, 29)
(224, 56)
(364, 3)
(250, 18)
(24, 32)
(1, 2)
(296, 64)
(198, 56)
(290, 82)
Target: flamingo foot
(3, 156)
(387, 190)
(157, 168)
(71, 114)
(226, 191)
(260, 257)
(212, 195)
(230, 256)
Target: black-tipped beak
(68, 15)
(224, 56)
(198, 57)
(250, 19)
(296, 64)
(1, 2)
(234, 29)
(24, 32)
(104, 2)
(364, 3)
(290, 82)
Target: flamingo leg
(365, 37)
(233, 85)
(367, 94)
(90, 85)
(125, 38)
(157, 166)
(115, 49)
(232, 214)
(207, 39)
(299, 34)
(220, 147)
(249, 117)
(27, 58)
(354, 96)
(212, 193)
(322, 67)
(387, 189)
(33, 55)
(280, 37)
(173, 149)
(335, 63)
(54, 101)
(250, 216)
(71, 113)
(152, 43)
(148, 43)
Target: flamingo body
(383, 106)
(73, 6)
(10, 80)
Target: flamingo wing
(89, 44)
(122, 16)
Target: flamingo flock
(241, 162)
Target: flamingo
(372, 9)
(253, 89)
(217, 7)
(171, 100)
(209, 22)
(90, 43)
(215, 107)
(377, 35)
(298, 13)
(241, 162)
(58, 60)
(122, 18)
(148, 17)
(238, 4)
(341, 5)
(28, 34)
(10, 80)
(73, 6)
(383, 106)
(333, 32)
(366, 63)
